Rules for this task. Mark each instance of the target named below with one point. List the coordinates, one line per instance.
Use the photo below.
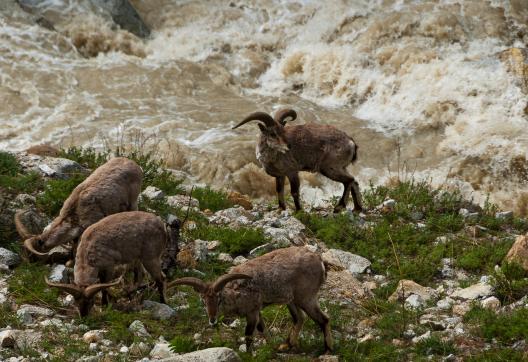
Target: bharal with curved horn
(127, 238)
(283, 151)
(291, 276)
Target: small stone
(139, 348)
(492, 303)
(158, 310)
(138, 329)
(224, 257)
(328, 358)
(474, 291)
(445, 304)
(123, 349)
(34, 310)
(238, 199)
(235, 323)
(106, 342)
(504, 215)
(388, 205)
(212, 245)
(406, 288)
(95, 335)
(426, 335)
(24, 317)
(181, 201)
(197, 337)
(92, 346)
(370, 285)
(414, 301)
(161, 350)
(417, 215)
(343, 259)
(242, 348)
(153, 193)
(200, 250)
(7, 257)
(59, 274)
(461, 309)
(239, 260)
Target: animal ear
(90, 291)
(73, 289)
(196, 283)
(226, 278)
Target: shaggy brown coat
(291, 276)
(113, 187)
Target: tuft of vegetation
(435, 346)
(483, 256)
(510, 283)
(182, 344)
(85, 156)
(8, 164)
(211, 199)
(233, 241)
(56, 192)
(27, 286)
(506, 328)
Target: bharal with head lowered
(113, 187)
(284, 150)
(291, 276)
(127, 238)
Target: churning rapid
(439, 86)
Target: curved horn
(90, 291)
(226, 278)
(258, 116)
(28, 244)
(196, 283)
(282, 114)
(73, 289)
(20, 227)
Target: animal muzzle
(213, 322)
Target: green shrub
(506, 328)
(85, 156)
(182, 344)
(233, 241)
(483, 257)
(434, 345)
(211, 199)
(56, 192)
(27, 285)
(511, 282)
(8, 164)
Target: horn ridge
(226, 278)
(258, 116)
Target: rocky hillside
(422, 275)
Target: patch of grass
(85, 156)
(372, 350)
(182, 344)
(510, 283)
(434, 345)
(496, 355)
(211, 199)
(233, 241)
(506, 328)
(56, 192)
(27, 285)
(8, 164)
(484, 256)
(393, 320)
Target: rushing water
(419, 82)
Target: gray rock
(409, 287)
(62, 168)
(180, 201)
(138, 329)
(8, 338)
(93, 336)
(59, 274)
(388, 204)
(414, 301)
(36, 311)
(9, 258)
(239, 260)
(200, 250)
(492, 303)
(139, 348)
(504, 215)
(158, 310)
(124, 15)
(153, 193)
(473, 292)
(218, 354)
(445, 304)
(422, 337)
(161, 350)
(224, 257)
(27, 339)
(343, 259)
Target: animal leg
(251, 323)
(279, 186)
(298, 321)
(260, 325)
(153, 267)
(295, 184)
(105, 276)
(350, 186)
(318, 316)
